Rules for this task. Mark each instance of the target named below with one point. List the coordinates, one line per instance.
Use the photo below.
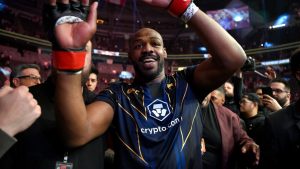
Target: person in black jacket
(281, 148)
(254, 120)
(41, 146)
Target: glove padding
(65, 60)
(51, 14)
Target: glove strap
(68, 61)
(177, 7)
(189, 12)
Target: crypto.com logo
(159, 109)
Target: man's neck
(287, 103)
(157, 79)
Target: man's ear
(223, 101)
(165, 53)
(297, 75)
(16, 82)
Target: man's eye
(138, 46)
(156, 44)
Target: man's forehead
(277, 84)
(147, 33)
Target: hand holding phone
(268, 91)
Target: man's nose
(148, 48)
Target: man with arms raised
(156, 119)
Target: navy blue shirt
(156, 132)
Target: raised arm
(227, 54)
(71, 27)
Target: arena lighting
(202, 49)
(105, 52)
(2, 5)
(280, 22)
(206, 56)
(275, 62)
(125, 75)
(277, 26)
(238, 18)
(282, 19)
(267, 45)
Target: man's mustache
(147, 55)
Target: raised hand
(270, 73)
(71, 26)
(271, 103)
(79, 27)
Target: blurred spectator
(281, 148)
(92, 80)
(254, 120)
(226, 142)
(233, 91)
(25, 74)
(5, 69)
(280, 97)
(261, 107)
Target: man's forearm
(221, 45)
(70, 108)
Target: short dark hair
(295, 61)
(94, 70)
(280, 80)
(18, 70)
(252, 97)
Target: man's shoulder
(40, 89)
(284, 112)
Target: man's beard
(146, 76)
(282, 101)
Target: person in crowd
(281, 146)
(233, 92)
(92, 81)
(261, 107)
(41, 146)
(18, 110)
(224, 137)
(5, 69)
(280, 97)
(156, 120)
(259, 93)
(254, 120)
(3, 79)
(218, 96)
(25, 74)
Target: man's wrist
(68, 62)
(184, 9)
(178, 7)
(189, 12)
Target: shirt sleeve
(6, 142)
